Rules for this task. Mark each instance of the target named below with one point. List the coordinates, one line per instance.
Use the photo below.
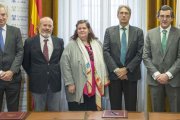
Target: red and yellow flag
(35, 15)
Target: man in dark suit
(41, 62)
(11, 56)
(162, 58)
(123, 45)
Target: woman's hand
(71, 88)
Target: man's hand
(123, 77)
(122, 73)
(162, 78)
(71, 88)
(7, 75)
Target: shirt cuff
(1, 72)
(115, 70)
(155, 75)
(169, 75)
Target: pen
(114, 113)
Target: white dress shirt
(49, 44)
(4, 29)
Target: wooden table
(89, 115)
(56, 116)
(131, 116)
(79, 116)
(164, 116)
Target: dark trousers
(117, 88)
(12, 91)
(88, 105)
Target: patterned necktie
(1, 40)
(123, 46)
(45, 50)
(164, 40)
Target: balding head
(45, 19)
(46, 26)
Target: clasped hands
(6, 75)
(162, 78)
(122, 73)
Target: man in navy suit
(41, 62)
(123, 46)
(11, 56)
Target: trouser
(117, 89)
(50, 99)
(88, 105)
(12, 91)
(158, 97)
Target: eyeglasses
(164, 16)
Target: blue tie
(1, 40)
(123, 46)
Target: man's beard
(46, 35)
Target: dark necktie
(45, 50)
(164, 40)
(1, 40)
(123, 46)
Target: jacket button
(48, 73)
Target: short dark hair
(90, 35)
(165, 8)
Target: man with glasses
(123, 47)
(162, 58)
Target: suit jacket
(112, 47)
(40, 72)
(11, 58)
(73, 71)
(155, 60)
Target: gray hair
(124, 6)
(5, 8)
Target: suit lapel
(8, 36)
(130, 37)
(169, 39)
(55, 45)
(157, 41)
(117, 36)
(38, 46)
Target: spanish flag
(35, 15)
